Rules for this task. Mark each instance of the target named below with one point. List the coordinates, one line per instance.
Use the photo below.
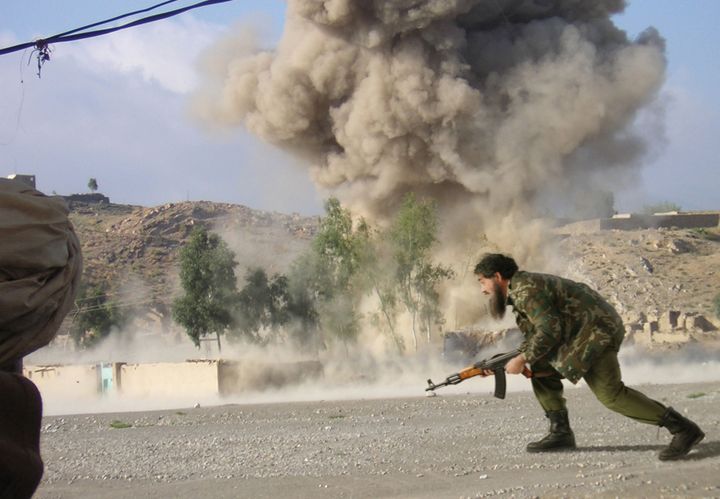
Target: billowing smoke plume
(488, 106)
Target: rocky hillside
(663, 281)
(125, 245)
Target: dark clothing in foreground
(40, 267)
(21, 467)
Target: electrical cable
(41, 45)
(117, 18)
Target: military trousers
(605, 381)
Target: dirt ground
(449, 446)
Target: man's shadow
(703, 450)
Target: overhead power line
(41, 46)
(117, 18)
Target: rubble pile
(647, 273)
(669, 328)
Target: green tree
(428, 277)
(253, 304)
(376, 275)
(336, 249)
(336, 245)
(280, 301)
(303, 292)
(413, 234)
(92, 184)
(321, 294)
(96, 316)
(263, 304)
(716, 304)
(207, 275)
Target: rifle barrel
(493, 364)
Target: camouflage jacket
(564, 322)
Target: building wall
(681, 221)
(169, 378)
(199, 378)
(28, 180)
(95, 197)
(71, 381)
(238, 376)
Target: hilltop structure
(26, 179)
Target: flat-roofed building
(26, 179)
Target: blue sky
(687, 169)
(115, 108)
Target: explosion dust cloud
(494, 108)
(500, 110)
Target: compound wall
(196, 378)
(71, 381)
(680, 221)
(169, 378)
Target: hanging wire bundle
(41, 47)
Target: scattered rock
(678, 246)
(646, 265)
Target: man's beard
(497, 302)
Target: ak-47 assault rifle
(496, 364)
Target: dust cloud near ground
(355, 375)
(610, 261)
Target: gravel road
(460, 445)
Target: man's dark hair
(495, 262)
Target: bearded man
(571, 332)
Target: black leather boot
(686, 434)
(561, 437)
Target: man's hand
(516, 365)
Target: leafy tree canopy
(413, 234)
(207, 276)
(96, 315)
(263, 304)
